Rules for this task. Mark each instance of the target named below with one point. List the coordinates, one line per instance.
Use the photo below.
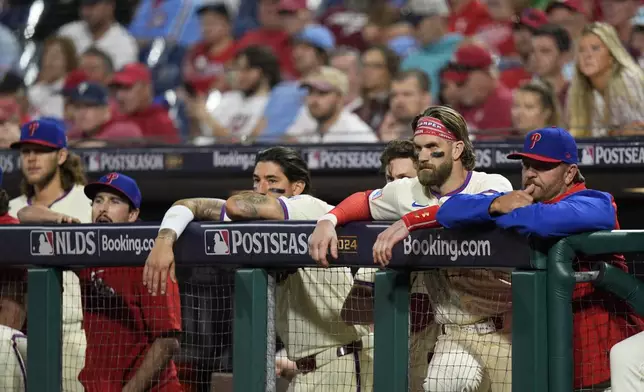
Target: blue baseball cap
(92, 94)
(552, 145)
(317, 36)
(42, 132)
(122, 184)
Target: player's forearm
(354, 208)
(462, 210)
(358, 306)
(253, 205)
(424, 218)
(155, 360)
(203, 208)
(37, 214)
(184, 211)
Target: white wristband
(177, 219)
(329, 217)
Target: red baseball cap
(131, 74)
(73, 80)
(472, 57)
(532, 18)
(572, 5)
(292, 5)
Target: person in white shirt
(328, 353)
(472, 353)
(53, 182)
(99, 28)
(238, 115)
(327, 88)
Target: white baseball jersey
(458, 295)
(420, 343)
(13, 351)
(309, 302)
(74, 203)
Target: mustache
(104, 217)
(426, 166)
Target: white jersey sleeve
(365, 277)
(303, 207)
(384, 203)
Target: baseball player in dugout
(555, 202)
(472, 306)
(398, 160)
(327, 353)
(52, 186)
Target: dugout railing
(542, 282)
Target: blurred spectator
(497, 32)
(347, 60)
(99, 28)
(175, 20)
(437, 45)
(10, 53)
(347, 21)
(325, 101)
(403, 45)
(606, 96)
(295, 15)
(97, 65)
(517, 69)
(12, 88)
(134, 94)
(535, 106)
(205, 64)
(450, 90)
(619, 13)
(379, 65)
(9, 123)
(238, 115)
(409, 96)
(384, 24)
(310, 51)
(58, 59)
(570, 15)
(468, 16)
(93, 119)
(551, 46)
(271, 33)
(485, 102)
(73, 79)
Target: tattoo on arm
(248, 203)
(204, 208)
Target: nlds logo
(50, 243)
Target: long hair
(457, 125)
(581, 102)
(72, 173)
(548, 99)
(68, 48)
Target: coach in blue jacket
(554, 201)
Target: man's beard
(437, 176)
(324, 117)
(45, 180)
(252, 90)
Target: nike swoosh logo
(416, 205)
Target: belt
(482, 328)
(310, 363)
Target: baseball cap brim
(93, 188)
(455, 76)
(43, 143)
(123, 80)
(320, 85)
(536, 157)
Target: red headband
(435, 127)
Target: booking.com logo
(124, 243)
(433, 245)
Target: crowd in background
(174, 71)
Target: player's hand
(285, 368)
(323, 237)
(386, 241)
(160, 261)
(62, 218)
(512, 200)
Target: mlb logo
(42, 243)
(217, 242)
(313, 158)
(93, 162)
(587, 155)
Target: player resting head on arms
(279, 171)
(446, 161)
(52, 177)
(136, 357)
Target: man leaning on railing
(556, 203)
